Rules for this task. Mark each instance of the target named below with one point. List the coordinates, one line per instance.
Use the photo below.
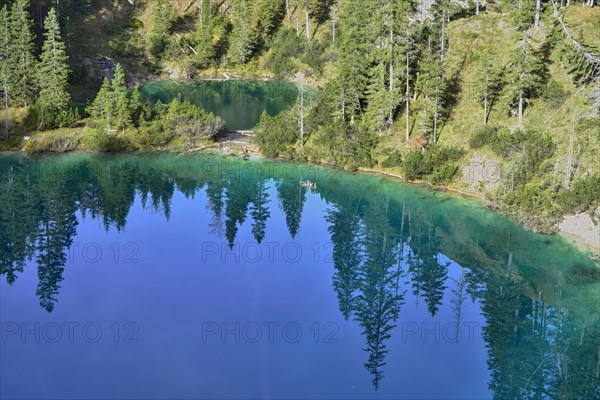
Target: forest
(421, 89)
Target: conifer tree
(112, 108)
(102, 109)
(524, 78)
(53, 73)
(23, 87)
(5, 62)
(162, 20)
(488, 82)
(122, 117)
(137, 108)
(241, 42)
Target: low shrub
(52, 143)
(275, 135)
(483, 136)
(393, 160)
(584, 195)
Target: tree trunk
(538, 6)
(407, 97)
(521, 109)
(5, 108)
(435, 115)
(287, 10)
(333, 31)
(307, 26)
(485, 106)
(391, 117)
(302, 113)
(570, 156)
(443, 37)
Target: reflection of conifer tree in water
(215, 193)
(260, 213)
(378, 304)
(459, 293)
(236, 209)
(19, 216)
(58, 227)
(516, 353)
(292, 197)
(428, 273)
(345, 229)
(110, 192)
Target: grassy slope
(469, 38)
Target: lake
(239, 102)
(198, 276)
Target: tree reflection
(541, 342)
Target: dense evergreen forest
(429, 90)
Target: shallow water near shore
(198, 276)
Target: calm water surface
(160, 275)
(240, 103)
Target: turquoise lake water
(197, 276)
(239, 102)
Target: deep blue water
(168, 276)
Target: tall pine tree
(23, 86)
(5, 62)
(524, 77)
(53, 73)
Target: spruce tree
(122, 116)
(53, 73)
(137, 107)
(5, 62)
(524, 77)
(488, 82)
(23, 86)
(241, 40)
(162, 20)
(102, 109)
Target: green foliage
(111, 110)
(345, 144)
(526, 149)
(178, 119)
(483, 136)
(277, 135)
(393, 160)
(53, 73)
(162, 20)
(23, 82)
(109, 143)
(285, 45)
(437, 161)
(583, 196)
(524, 75)
(313, 55)
(554, 94)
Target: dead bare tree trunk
(538, 7)
(407, 97)
(521, 108)
(307, 26)
(5, 107)
(391, 116)
(570, 156)
(287, 10)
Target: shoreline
(571, 232)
